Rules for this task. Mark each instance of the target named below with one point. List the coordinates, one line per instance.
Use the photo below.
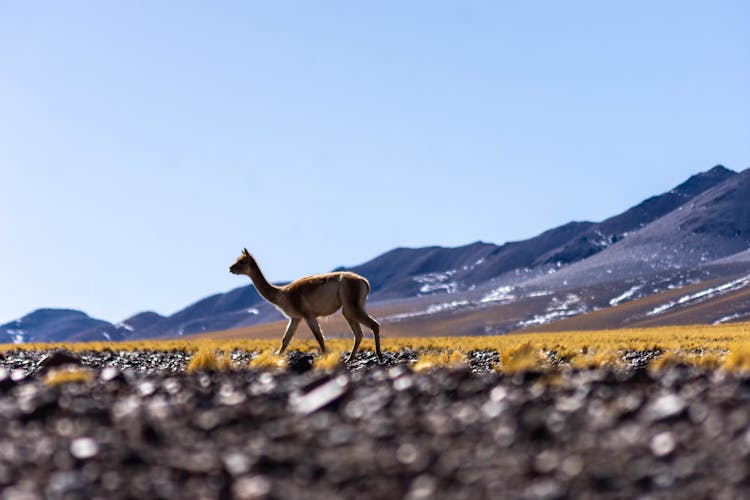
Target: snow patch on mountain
(17, 336)
(627, 295)
(707, 293)
(570, 305)
(431, 309)
(436, 282)
(543, 319)
(539, 293)
(502, 293)
(446, 306)
(731, 317)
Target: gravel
(142, 428)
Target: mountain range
(681, 256)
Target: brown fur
(310, 297)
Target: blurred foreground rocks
(142, 428)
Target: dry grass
(226, 363)
(738, 358)
(726, 346)
(204, 360)
(68, 376)
(208, 359)
(447, 358)
(670, 359)
(328, 361)
(267, 360)
(522, 357)
(666, 361)
(598, 359)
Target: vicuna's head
(242, 264)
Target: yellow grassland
(726, 345)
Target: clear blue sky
(143, 144)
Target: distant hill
(223, 310)
(142, 321)
(693, 235)
(57, 325)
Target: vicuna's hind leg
(373, 325)
(358, 315)
(354, 309)
(312, 322)
(357, 331)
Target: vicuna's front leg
(291, 327)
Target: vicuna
(313, 296)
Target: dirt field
(137, 426)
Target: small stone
(110, 373)
(127, 407)
(572, 465)
(663, 444)
(172, 386)
(407, 453)
(492, 409)
(423, 487)
(664, 407)
(546, 462)
(498, 393)
(544, 488)
(83, 448)
(229, 397)
(402, 383)
(34, 401)
(236, 463)
(202, 462)
(570, 404)
(146, 388)
(251, 487)
(321, 396)
(65, 484)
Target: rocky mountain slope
(713, 225)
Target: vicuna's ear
(245, 252)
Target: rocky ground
(142, 428)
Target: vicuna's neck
(265, 289)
